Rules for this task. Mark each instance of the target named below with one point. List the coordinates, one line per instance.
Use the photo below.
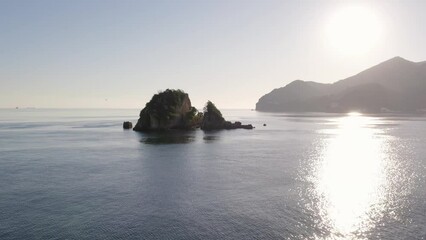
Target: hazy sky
(117, 54)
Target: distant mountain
(396, 85)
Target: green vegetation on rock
(169, 109)
(213, 120)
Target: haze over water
(75, 174)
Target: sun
(353, 30)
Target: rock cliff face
(170, 109)
(213, 120)
(397, 85)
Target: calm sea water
(76, 174)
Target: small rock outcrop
(213, 120)
(170, 109)
(127, 125)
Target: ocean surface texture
(76, 174)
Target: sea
(77, 174)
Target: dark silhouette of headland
(396, 85)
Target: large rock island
(397, 85)
(172, 109)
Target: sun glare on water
(353, 30)
(350, 176)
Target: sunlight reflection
(351, 176)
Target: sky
(118, 53)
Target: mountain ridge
(393, 85)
